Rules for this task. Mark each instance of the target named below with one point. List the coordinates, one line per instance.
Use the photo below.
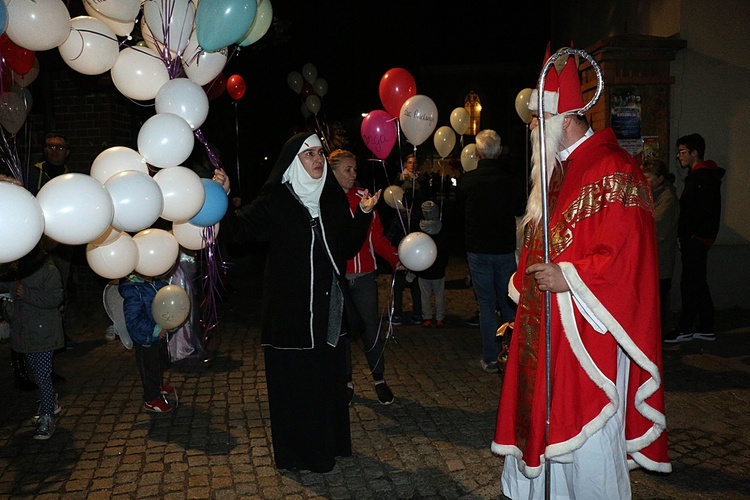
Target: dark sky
(492, 47)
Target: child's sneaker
(166, 390)
(158, 405)
(440, 323)
(45, 427)
(427, 323)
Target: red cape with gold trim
(602, 234)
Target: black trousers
(151, 361)
(697, 306)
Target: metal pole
(545, 227)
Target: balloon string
(10, 155)
(237, 137)
(215, 161)
(211, 282)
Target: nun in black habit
(305, 363)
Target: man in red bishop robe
(607, 394)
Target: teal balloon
(3, 17)
(214, 206)
(219, 23)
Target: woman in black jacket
(301, 325)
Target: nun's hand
(369, 201)
(221, 177)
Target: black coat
(299, 273)
(491, 196)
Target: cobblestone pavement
(432, 442)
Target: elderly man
(607, 399)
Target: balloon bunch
(416, 116)
(309, 87)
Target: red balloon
(17, 58)
(236, 87)
(306, 90)
(216, 87)
(379, 132)
(396, 86)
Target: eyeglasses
(56, 147)
(682, 151)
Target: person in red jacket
(360, 271)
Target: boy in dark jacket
(148, 337)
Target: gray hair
(488, 144)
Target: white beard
(553, 131)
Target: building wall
(709, 97)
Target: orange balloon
(236, 87)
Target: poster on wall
(626, 121)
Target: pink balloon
(379, 132)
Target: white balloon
(91, 48)
(261, 23)
(165, 140)
(309, 72)
(312, 103)
(184, 98)
(295, 82)
(171, 23)
(121, 10)
(77, 209)
(460, 120)
(12, 111)
(139, 73)
(107, 237)
(21, 222)
(469, 157)
(417, 251)
(418, 118)
(202, 67)
(120, 28)
(321, 86)
(182, 191)
(114, 160)
(137, 200)
(190, 236)
(157, 252)
(394, 196)
(114, 260)
(445, 141)
(37, 24)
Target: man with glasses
(56, 152)
(700, 215)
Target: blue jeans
(490, 274)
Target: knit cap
(431, 213)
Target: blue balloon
(3, 17)
(219, 23)
(215, 205)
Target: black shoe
(385, 395)
(350, 394)
(676, 336)
(473, 321)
